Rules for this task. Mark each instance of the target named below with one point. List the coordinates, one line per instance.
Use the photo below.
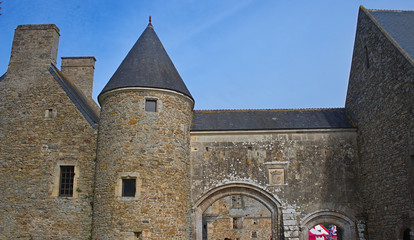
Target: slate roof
(400, 25)
(76, 96)
(2, 77)
(241, 120)
(147, 65)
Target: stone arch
(403, 231)
(344, 223)
(238, 188)
(406, 234)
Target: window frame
(126, 193)
(148, 108)
(55, 191)
(119, 185)
(66, 180)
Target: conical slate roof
(147, 65)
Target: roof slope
(400, 25)
(2, 77)
(147, 65)
(237, 120)
(76, 96)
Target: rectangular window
(237, 202)
(150, 105)
(67, 174)
(128, 187)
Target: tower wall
(153, 148)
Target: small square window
(67, 174)
(150, 105)
(128, 187)
(254, 234)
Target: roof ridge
(264, 110)
(389, 10)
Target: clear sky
(232, 54)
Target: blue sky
(232, 54)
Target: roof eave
(261, 131)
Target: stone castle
(145, 165)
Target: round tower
(142, 188)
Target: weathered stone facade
(320, 169)
(381, 100)
(80, 70)
(155, 169)
(237, 217)
(36, 119)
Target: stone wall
(252, 219)
(306, 170)
(153, 148)
(41, 129)
(80, 71)
(381, 100)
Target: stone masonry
(237, 217)
(319, 169)
(154, 148)
(381, 100)
(145, 165)
(36, 119)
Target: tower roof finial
(149, 24)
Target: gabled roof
(76, 96)
(245, 120)
(147, 65)
(399, 25)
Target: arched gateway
(237, 188)
(345, 225)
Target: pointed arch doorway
(238, 188)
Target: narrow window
(128, 187)
(366, 57)
(255, 222)
(67, 174)
(150, 105)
